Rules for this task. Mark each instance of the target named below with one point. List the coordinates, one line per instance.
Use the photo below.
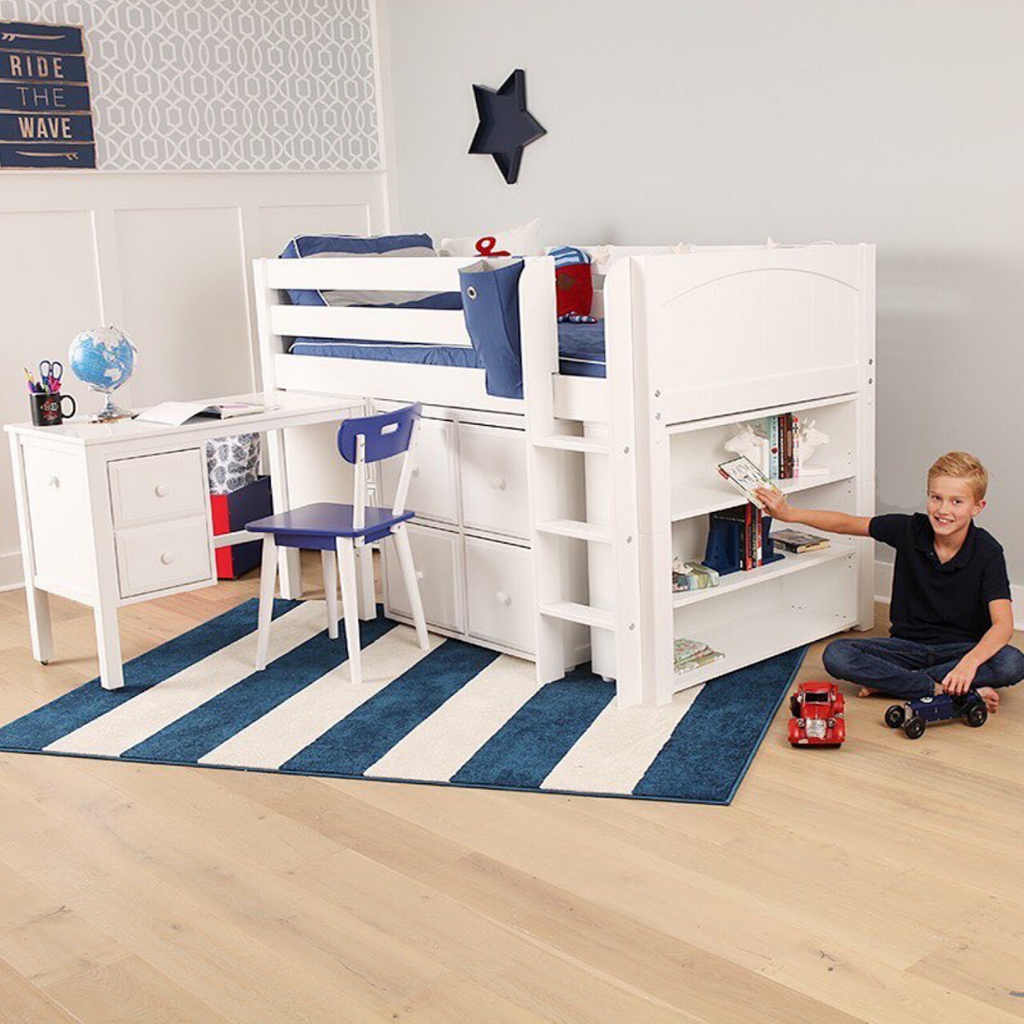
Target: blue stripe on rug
(211, 724)
(711, 748)
(365, 735)
(75, 709)
(523, 752)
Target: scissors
(51, 373)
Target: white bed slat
(425, 326)
(372, 272)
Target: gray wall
(727, 121)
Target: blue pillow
(490, 304)
(303, 246)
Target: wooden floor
(883, 882)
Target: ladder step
(578, 529)
(585, 614)
(571, 443)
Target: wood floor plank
(23, 1002)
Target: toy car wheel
(977, 716)
(895, 716)
(914, 728)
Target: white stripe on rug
(618, 748)
(137, 719)
(442, 743)
(305, 716)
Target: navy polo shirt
(936, 603)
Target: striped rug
(458, 715)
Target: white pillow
(604, 256)
(521, 241)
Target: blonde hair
(962, 466)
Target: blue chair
(339, 529)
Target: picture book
(797, 542)
(746, 478)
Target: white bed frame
(696, 343)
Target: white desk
(114, 513)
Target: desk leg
(105, 595)
(289, 567)
(37, 600)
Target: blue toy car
(915, 715)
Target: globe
(103, 358)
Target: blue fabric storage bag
(302, 246)
(490, 305)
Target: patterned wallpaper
(241, 85)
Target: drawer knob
(416, 471)
(54, 481)
(498, 483)
(161, 490)
(420, 575)
(167, 557)
(502, 598)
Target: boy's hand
(775, 504)
(959, 680)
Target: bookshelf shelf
(790, 563)
(755, 638)
(697, 498)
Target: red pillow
(574, 289)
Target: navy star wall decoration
(506, 126)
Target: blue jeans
(908, 669)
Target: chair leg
(268, 577)
(412, 588)
(330, 564)
(349, 592)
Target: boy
(951, 613)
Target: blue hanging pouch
(490, 304)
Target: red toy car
(819, 716)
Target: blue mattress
(580, 351)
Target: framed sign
(45, 112)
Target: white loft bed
(620, 470)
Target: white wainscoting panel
(164, 255)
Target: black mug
(47, 410)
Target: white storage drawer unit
(438, 558)
(492, 465)
(432, 489)
(500, 595)
(157, 487)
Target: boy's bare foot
(990, 697)
(868, 691)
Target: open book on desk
(174, 414)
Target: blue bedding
(580, 351)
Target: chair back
(365, 439)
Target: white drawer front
(432, 488)
(58, 501)
(494, 487)
(157, 487)
(438, 565)
(162, 556)
(500, 596)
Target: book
(746, 478)
(174, 414)
(692, 576)
(692, 654)
(797, 542)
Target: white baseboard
(883, 589)
(10, 570)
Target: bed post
(270, 345)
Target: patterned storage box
(232, 462)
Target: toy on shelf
(819, 716)
(811, 438)
(915, 715)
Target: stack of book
(692, 576)
(693, 654)
(798, 542)
(783, 434)
(747, 522)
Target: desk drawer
(495, 496)
(157, 487)
(164, 555)
(500, 596)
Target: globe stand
(111, 412)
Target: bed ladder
(549, 439)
